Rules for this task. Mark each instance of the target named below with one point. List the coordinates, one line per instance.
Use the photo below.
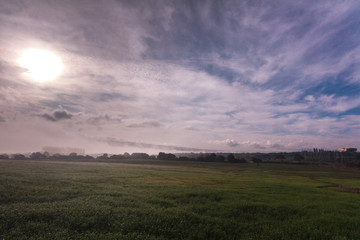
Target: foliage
(19, 157)
(166, 156)
(256, 160)
(37, 155)
(231, 157)
(298, 157)
(140, 156)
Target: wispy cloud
(232, 76)
(250, 145)
(116, 142)
(149, 124)
(103, 119)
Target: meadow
(177, 200)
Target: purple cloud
(180, 73)
(149, 124)
(57, 116)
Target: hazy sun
(41, 65)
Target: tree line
(316, 156)
(202, 157)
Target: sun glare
(41, 65)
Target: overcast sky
(180, 76)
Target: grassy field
(172, 200)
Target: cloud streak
(116, 142)
(150, 124)
(227, 76)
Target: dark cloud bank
(57, 116)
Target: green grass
(172, 200)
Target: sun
(41, 65)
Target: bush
(256, 160)
(4, 156)
(166, 156)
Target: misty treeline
(202, 157)
(305, 157)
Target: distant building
(348, 150)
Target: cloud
(226, 75)
(63, 150)
(249, 145)
(106, 97)
(231, 143)
(103, 119)
(149, 124)
(57, 116)
(116, 142)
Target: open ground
(154, 199)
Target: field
(173, 200)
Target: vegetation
(349, 157)
(156, 199)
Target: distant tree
(37, 155)
(280, 156)
(89, 157)
(166, 156)
(116, 156)
(73, 155)
(4, 156)
(184, 158)
(256, 160)
(212, 157)
(298, 157)
(231, 157)
(209, 157)
(200, 158)
(242, 160)
(171, 156)
(161, 156)
(220, 158)
(19, 157)
(140, 156)
(126, 155)
(237, 160)
(103, 157)
(57, 156)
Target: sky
(181, 76)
